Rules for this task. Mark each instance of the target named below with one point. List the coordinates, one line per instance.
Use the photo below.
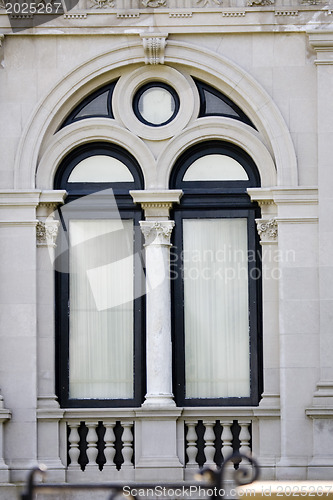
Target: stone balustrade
(210, 441)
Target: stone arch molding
(224, 129)
(92, 130)
(239, 85)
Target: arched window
(99, 279)
(216, 278)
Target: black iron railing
(243, 469)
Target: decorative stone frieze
(101, 4)
(208, 3)
(158, 232)
(267, 230)
(46, 233)
(259, 3)
(154, 44)
(154, 3)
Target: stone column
(156, 429)
(322, 404)
(158, 304)
(48, 411)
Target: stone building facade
(249, 85)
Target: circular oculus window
(156, 104)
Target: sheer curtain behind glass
(101, 309)
(216, 308)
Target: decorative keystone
(154, 43)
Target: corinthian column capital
(157, 232)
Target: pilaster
(18, 341)
(5, 415)
(48, 412)
(269, 427)
(321, 411)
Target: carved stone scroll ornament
(208, 3)
(267, 230)
(157, 233)
(154, 3)
(154, 46)
(102, 4)
(260, 3)
(46, 233)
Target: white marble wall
(298, 373)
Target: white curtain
(101, 309)
(216, 308)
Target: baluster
(244, 438)
(127, 439)
(191, 439)
(227, 437)
(209, 438)
(92, 438)
(109, 438)
(74, 440)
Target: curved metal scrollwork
(242, 469)
(241, 473)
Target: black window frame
(151, 85)
(202, 86)
(98, 210)
(209, 200)
(72, 117)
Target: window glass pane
(216, 308)
(98, 106)
(216, 106)
(100, 168)
(215, 168)
(101, 309)
(156, 105)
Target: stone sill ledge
(183, 413)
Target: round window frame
(151, 85)
(132, 81)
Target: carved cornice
(267, 230)
(157, 204)
(154, 45)
(46, 233)
(157, 232)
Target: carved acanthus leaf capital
(157, 232)
(46, 233)
(267, 230)
(154, 44)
